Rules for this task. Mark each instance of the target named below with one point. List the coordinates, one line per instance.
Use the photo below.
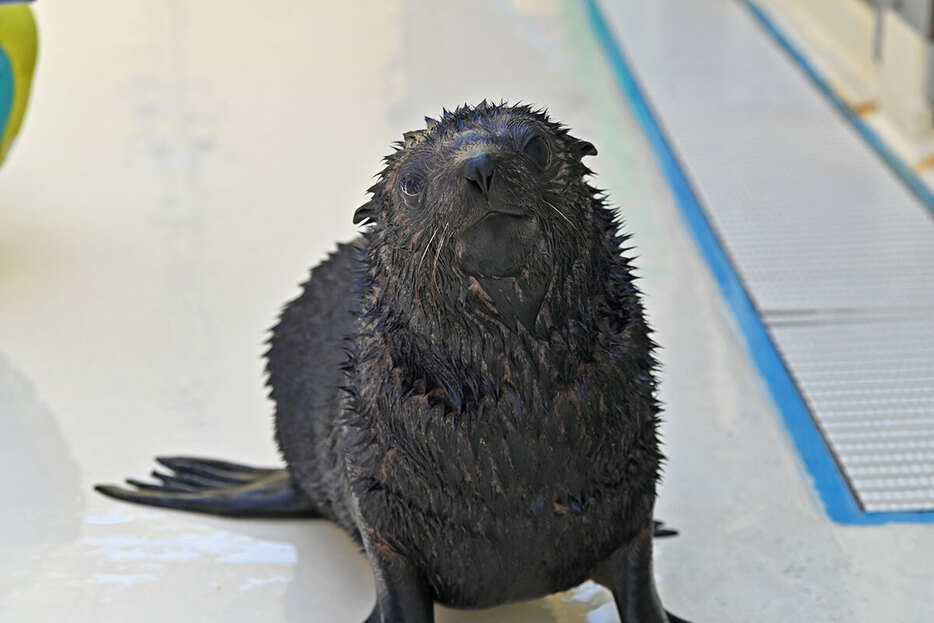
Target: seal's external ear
(366, 212)
(583, 148)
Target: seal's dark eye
(411, 184)
(537, 150)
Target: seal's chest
(531, 516)
(539, 479)
(536, 502)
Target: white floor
(182, 164)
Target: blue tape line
(6, 90)
(832, 487)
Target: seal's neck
(469, 336)
(435, 319)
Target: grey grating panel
(837, 255)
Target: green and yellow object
(17, 61)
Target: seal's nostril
(479, 171)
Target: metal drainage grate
(835, 253)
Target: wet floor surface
(181, 167)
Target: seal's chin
(498, 244)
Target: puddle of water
(252, 583)
(116, 578)
(109, 517)
(224, 547)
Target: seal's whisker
(550, 205)
(434, 268)
(418, 269)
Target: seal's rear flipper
(218, 488)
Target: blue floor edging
(838, 500)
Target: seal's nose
(479, 170)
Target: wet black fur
(468, 390)
(497, 433)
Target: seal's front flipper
(628, 573)
(402, 595)
(217, 488)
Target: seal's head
(485, 207)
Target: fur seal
(468, 389)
